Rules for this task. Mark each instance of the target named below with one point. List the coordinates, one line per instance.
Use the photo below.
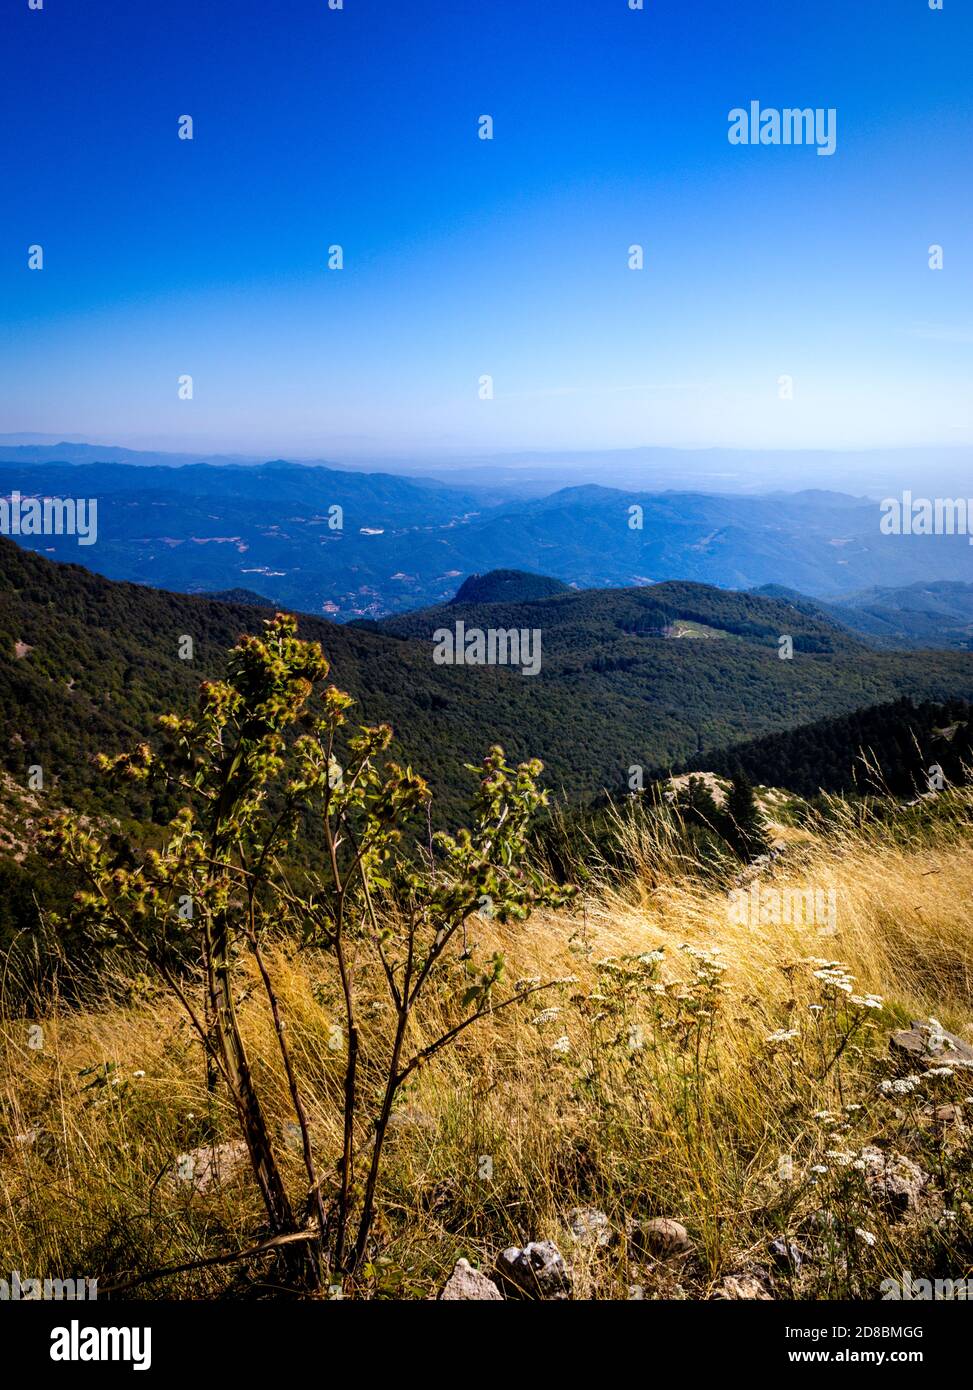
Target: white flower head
(545, 1016)
(841, 1157)
(652, 957)
(900, 1087)
(784, 1035)
(866, 1001)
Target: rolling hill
(677, 664)
(507, 586)
(652, 677)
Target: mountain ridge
(88, 661)
(362, 545)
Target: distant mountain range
(23, 450)
(943, 470)
(352, 545)
(937, 614)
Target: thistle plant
(295, 824)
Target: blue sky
(466, 257)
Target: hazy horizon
(873, 473)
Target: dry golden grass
(653, 1091)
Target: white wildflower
(836, 976)
(545, 1016)
(867, 1001)
(900, 1087)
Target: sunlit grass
(688, 1065)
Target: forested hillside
(890, 747)
(651, 677)
(507, 586)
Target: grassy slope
(691, 1124)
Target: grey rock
(467, 1284)
(211, 1165)
(786, 1255)
(741, 1286)
(893, 1180)
(537, 1271)
(590, 1227)
(930, 1045)
(949, 1116)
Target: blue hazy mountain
(355, 545)
(927, 614)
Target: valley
(364, 545)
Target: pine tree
(746, 831)
(697, 805)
